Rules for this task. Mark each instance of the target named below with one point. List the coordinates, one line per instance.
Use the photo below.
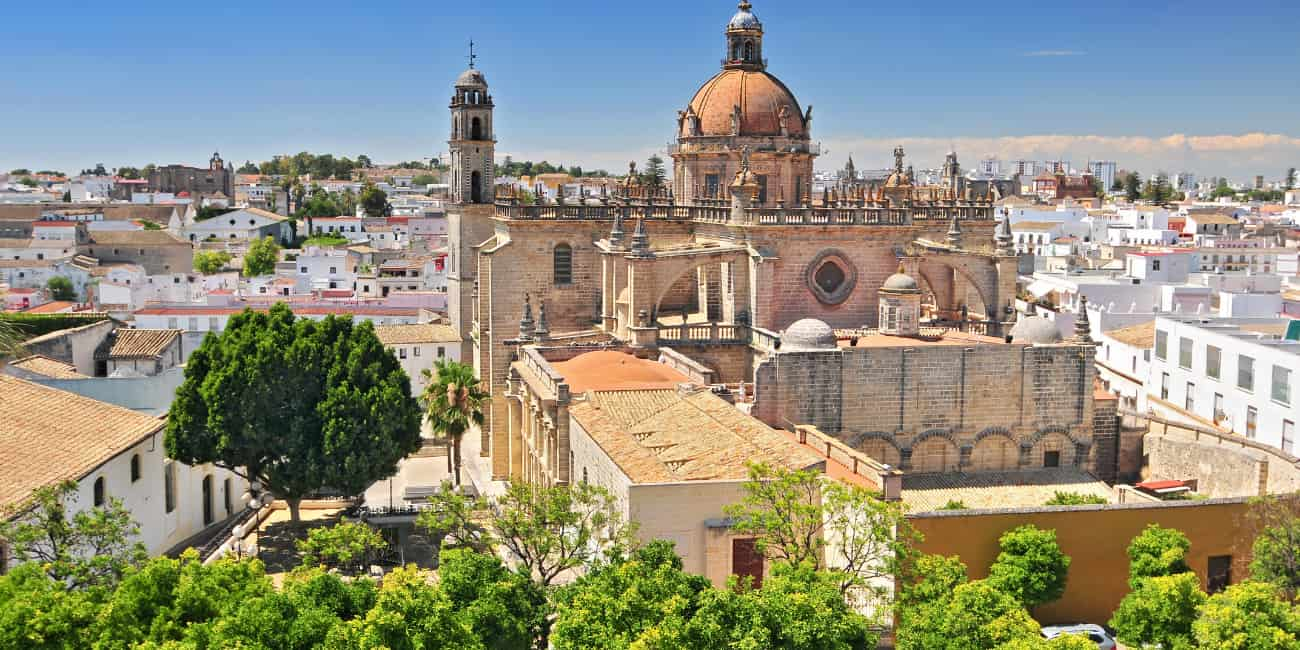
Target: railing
(715, 211)
(888, 479)
(552, 380)
(703, 333)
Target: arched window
(735, 53)
(749, 51)
(135, 468)
(476, 129)
(562, 260)
(99, 492)
(476, 187)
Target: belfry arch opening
(476, 187)
(476, 129)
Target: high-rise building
(1103, 172)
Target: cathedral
(729, 263)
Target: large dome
(760, 97)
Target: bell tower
(472, 144)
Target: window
(1288, 436)
(711, 186)
(1252, 421)
(762, 190)
(169, 485)
(1164, 385)
(1212, 359)
(334, 269)
(1189, 403)
(1218, 574)
(401, 353)
(208, 517)
(1219, 415)
(798, 191)
(99, 492)
(194, 324)
(563, 264)
(212, 324)
(302, 269)
(135, 467)
(442, 352)
(1155, 265)
(1162, 345)
(226, 488)
(1185, 353)
(1245, 373)
(171, 323)
(1051, 459)
(1281, 385)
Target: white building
(214, 318)
(1238, 375)
(243, 225)
(419, 347)
(325, 268)
(350, 228)
(110, 452)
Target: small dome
(901, 282)
(472, 78)
(744, 19)
(1035, 330)
(808, 334)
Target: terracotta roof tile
(663, 436)
(986, 490)
(137, 343)
(49, 435)
(47, 367)
(411, 334)
(1141, 336)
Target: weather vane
(472, 55)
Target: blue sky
(1190, 85)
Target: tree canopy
(1276, 552)
(261, 257)
(1158, 551)
(298, 404)
(455, 401)
(1246, 616)
(1031, 566)
(209, 262)
(61, 288)
(374, 201)
(1160, 610)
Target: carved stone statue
(735, 120)
(783, 119)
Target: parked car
(1096, 633)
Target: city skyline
(598, 84)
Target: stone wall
(75, 346)
(940, 408)
(1223, 464)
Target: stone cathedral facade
(716, 267)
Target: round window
(831, 278)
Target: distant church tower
(472, 143)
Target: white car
(1095, 633)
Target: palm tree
(455, 400)
(11, 340)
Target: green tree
(654, 174)
(975, 616)
(455, 401)
(1132, 187)
(1160, 610)
(933, 578)
(423, 179)
(296, 404)
(614, 606)
(28, 181)
(347, 546)
(1247, 616)
(374, 202)
(1158, 551)
(1222, 190)
(11, 340)
(247, 168)
(38, 613)
(61, 288)
(1031, 567)
(409, 614)
(67, 196)
(1276, 552)
(363, 161)
(1075, 499)
(298, 617)
(90, 548)
(21, 171)
(504, 608)
(209, 262)
(261, 257)
(128, 173)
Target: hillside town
(726, 394)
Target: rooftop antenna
(472, 55)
